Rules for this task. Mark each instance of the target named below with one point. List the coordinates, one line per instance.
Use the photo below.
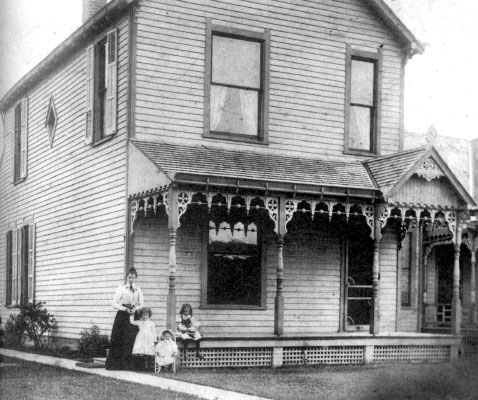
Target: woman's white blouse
(124, 295)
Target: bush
(33, 321)
(92, 343)
(2, 334)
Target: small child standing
(143, 349)
(166, 350)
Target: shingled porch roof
(207, 165)
(392, 171)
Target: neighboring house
(245, 157)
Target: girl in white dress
(166, 351)
(143, 349)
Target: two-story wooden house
(247, 158)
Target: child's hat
(169, 331)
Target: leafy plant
(2, 334)
(14, 331)
(33, 321)
(92, 343)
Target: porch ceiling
(213, 166)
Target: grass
(456, 380)
(30, 381)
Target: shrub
(14, 331)
(33, 321)
(2, 334)
(92, 343)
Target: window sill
(363, 153)
(236, 138)
(18, 181)
(103, 140)
(230, 307)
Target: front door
(358, 285)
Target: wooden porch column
(375, 320)
(473, 316)
(173, 227)
(279, 299)
(456, 303)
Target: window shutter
(8, 268)
(111, 83)
(14, 267)
(31, 263)
(24, 139)
(90, 91)
(10, 130)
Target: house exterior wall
(75, 194)
(307, 71)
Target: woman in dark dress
(127, 299)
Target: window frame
(19, 130)
(375, 131)
(205, 268)
(20, 265)
(101, 112)
(263, 112)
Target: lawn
(457, 380)
(30, 381)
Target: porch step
(99, 360)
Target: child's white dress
(166, 351)
(144, 343)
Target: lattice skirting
(322, 355)
(228, 357)
(387, 354)
(313, 355)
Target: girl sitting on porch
(127, 299)
(166, 351)
(143, 349)
(188, 329)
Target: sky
(440, 87)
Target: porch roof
(391, 172)
(203, 164)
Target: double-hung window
(236, 84)
(20, 265)
(18, 124)
(362, 102)
(101, 89)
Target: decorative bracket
(429, 170)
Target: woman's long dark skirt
(123, 335)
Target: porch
(337, 349)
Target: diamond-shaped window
(51, 121)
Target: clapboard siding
(76, 196)
(307, 70)
(388, 282)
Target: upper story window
(101, 89)
(19, 125)
(362, 108)
(236, 84)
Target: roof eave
(386, 13)
(272, 186)
(62, 51)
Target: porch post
(456, 303)
(473, 316)
(375, 320)
(173, 227)
(279, 299)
